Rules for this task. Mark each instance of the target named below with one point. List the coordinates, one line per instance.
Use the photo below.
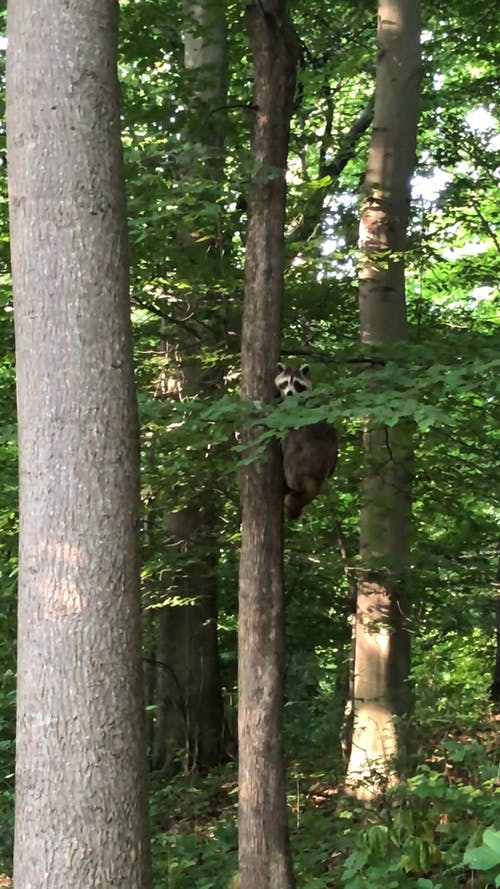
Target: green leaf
(481, 858)
(491, 838)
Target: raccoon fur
(309, 453)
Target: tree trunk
(382, 645)
(80, 772)
(495, 685)
(190, 714)
(264, 856)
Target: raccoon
(309, 453)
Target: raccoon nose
(289, 393)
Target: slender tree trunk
(264, 854)
(382, 646)
(495, 685)
(80, 772)
(190, 713)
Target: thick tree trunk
(80, 773)
(264, 854)
(382, 648)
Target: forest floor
(438, 829)
(414, 836)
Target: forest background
(186, 142)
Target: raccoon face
(290, 381)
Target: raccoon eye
(283, 385)
(299, 387)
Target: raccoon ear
(280, 367)
(304, 369)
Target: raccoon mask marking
(290, 381)
(309, 453)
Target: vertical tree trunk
(190, 715)
(264, 854)
(189, 701)
(80, 773)
(495, 685)
(382, 649)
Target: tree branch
(314, 209)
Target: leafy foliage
(187, 236)
(437, 830)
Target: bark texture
(382, 647)
(80, 773)
(264, 855)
